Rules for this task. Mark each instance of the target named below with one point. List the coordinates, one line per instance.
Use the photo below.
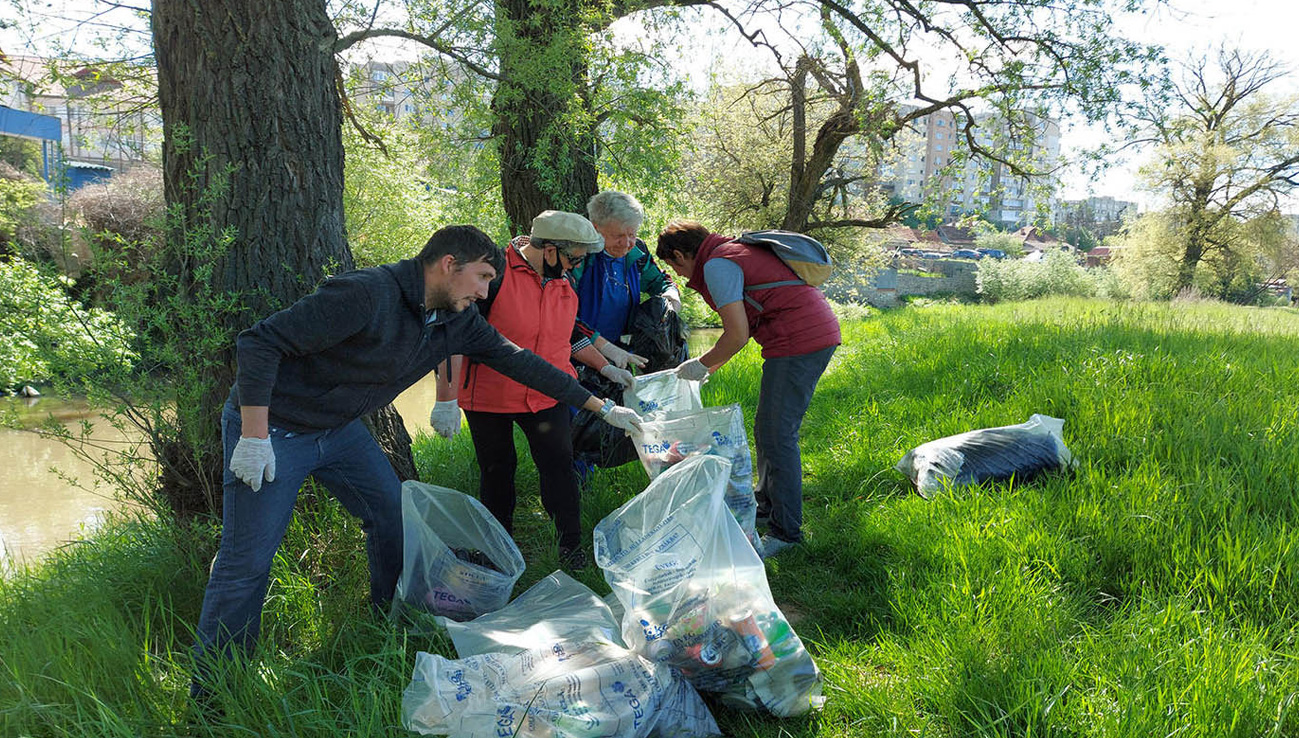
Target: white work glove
(693, 370)
(620, 417)
(445, 418)
(253, 460)
(673, 299)
(620, 376)
(621, 358)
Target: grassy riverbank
(1152, 592)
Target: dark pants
(350, 464)
(787, 386)
(551, 445)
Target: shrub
(129, 205)
(45, 334)
(19, 196)
(696, 312)
(848, 312)
(122, 221)
(1056, 274)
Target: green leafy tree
(390, 205)
(863, 67)
(1226, 152)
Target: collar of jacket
(409, 275)
(514, 258)
(705, 252)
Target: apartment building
(1102, 215)
(405, 90)
(933, 165)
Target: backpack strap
(766, 286)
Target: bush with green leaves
(45, 334)
(1057, 273)
(19, 196)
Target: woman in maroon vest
(532, 305)
(798, 333)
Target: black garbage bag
(659, 334)
(1021, 451)
(595, 441)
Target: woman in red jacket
(798, 333)
(535, 307)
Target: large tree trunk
(1198, 225)
(253, 148)
(547, 152)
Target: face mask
(552, 271)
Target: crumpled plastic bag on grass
(436, 520)
(550, 663)
(662, 392)
(695, 594)
(556, 609)
(567, 690)
(667, 440)
(1022, 451)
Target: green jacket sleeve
(653, 280)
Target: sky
(1183, 26)
(1186, 27)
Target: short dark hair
(466, 243)
(685, 236)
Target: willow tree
(253, 180)
(1225, 153)
(855, 76)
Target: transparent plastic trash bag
(569, 690)
(695, 594)
(556, 609)
(991, 454)
(662, 392)
(551, 663)
(667, 440)
(458, 561)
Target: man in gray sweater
(306, 377)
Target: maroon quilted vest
(788, 320)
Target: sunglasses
(573, 261)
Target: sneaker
(772, 546)
(572, 559)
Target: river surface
(40, 509)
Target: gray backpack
(805, 255)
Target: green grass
(1153, 592)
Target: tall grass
(1152, 592)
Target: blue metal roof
(29, 125)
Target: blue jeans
(350, 464)
(785, 393)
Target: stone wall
(886, 287)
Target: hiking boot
(572, 559)
(772, 546)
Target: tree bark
(253, 148)
(386, 426)
(1197, 236)
(547, 154)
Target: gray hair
(612, 206)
